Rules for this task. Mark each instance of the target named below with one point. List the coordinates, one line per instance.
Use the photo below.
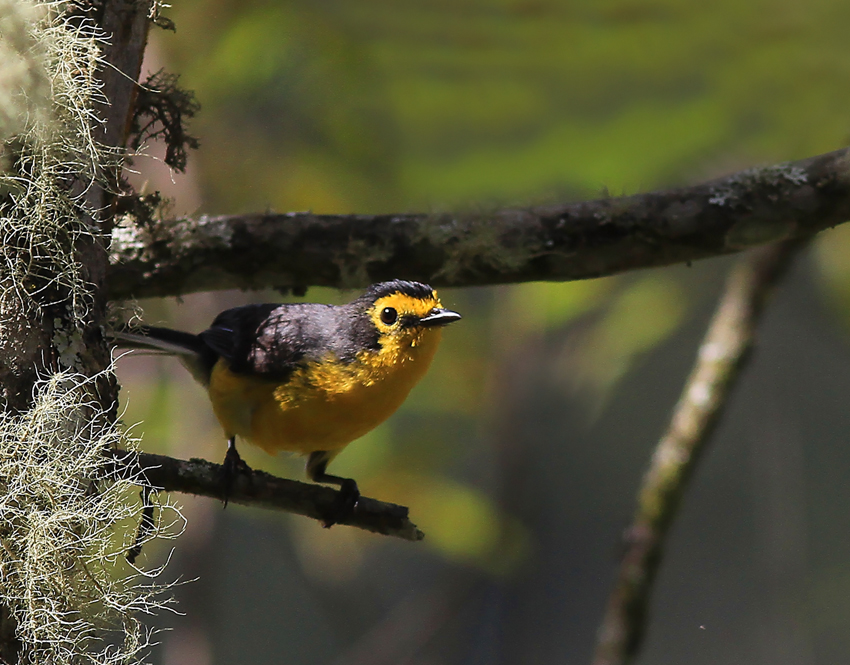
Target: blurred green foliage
(379, 106)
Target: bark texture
(260, 489)
(564, 242)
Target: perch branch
(557, 243)
(720, 359)
(257, 488)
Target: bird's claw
(342, 508)
(233, 465)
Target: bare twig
(257, 488)
(721, 356)
(559, 243)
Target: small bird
(309, 378)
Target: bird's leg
(233, 464)
(348, 495)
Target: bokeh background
(521, 452)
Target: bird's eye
(389, 315)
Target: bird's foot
(233, 465)
(343, 506)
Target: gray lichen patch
(129, 239)
(730, 191)
(212, 232)
(69, 344)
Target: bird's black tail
(197, 356)
(165, 340)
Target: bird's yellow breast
(325, 404)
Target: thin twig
(720, 359)
(146, 524)
(257, 488)
(557, 242)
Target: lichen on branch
(50, 157)
(65, 527)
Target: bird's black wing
(232, 332)
(267, 340)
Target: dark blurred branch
(257, 488)
(560, 242)
(721, 356)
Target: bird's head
(406, 312)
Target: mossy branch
(560, 242)
(721, 356)
(260, 489)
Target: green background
(521, 451)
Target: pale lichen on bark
(63, 523)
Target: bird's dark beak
(439, 317)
